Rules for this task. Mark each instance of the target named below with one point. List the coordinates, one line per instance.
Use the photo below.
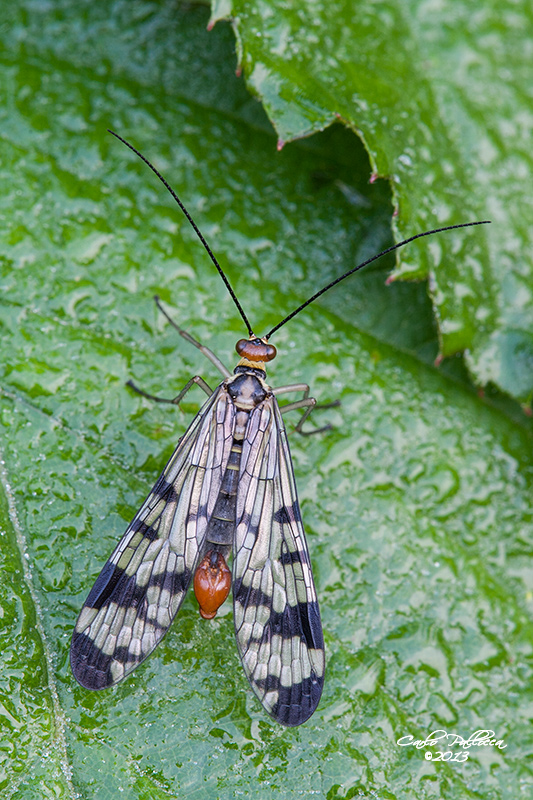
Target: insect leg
(203, 349)
(303, 387)
(309, 403)
(197, 380)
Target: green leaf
(417, 504)
(439, 94)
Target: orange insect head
(255, 352)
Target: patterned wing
(277, 619)
(140, 589)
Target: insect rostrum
(228, 489)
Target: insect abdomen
(212, 578)
(222, 523)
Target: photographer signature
(481, 738)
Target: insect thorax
(247, 387)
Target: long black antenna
(369, 261)
(194, 226)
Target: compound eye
(255, 350)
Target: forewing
(142, 586)
(277, 619)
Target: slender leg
(303, 387)
(292, 387)
(197, 380)
(309, 403)
(205, 350)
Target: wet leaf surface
(417, 504)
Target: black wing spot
(298, 702)
(287, 514)
(301, 620)
(150, 533)
(246, 596)
(89, 665)
(105, 585)
(173, 582)
(293, 556)
(165, 490)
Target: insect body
(228, 489)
